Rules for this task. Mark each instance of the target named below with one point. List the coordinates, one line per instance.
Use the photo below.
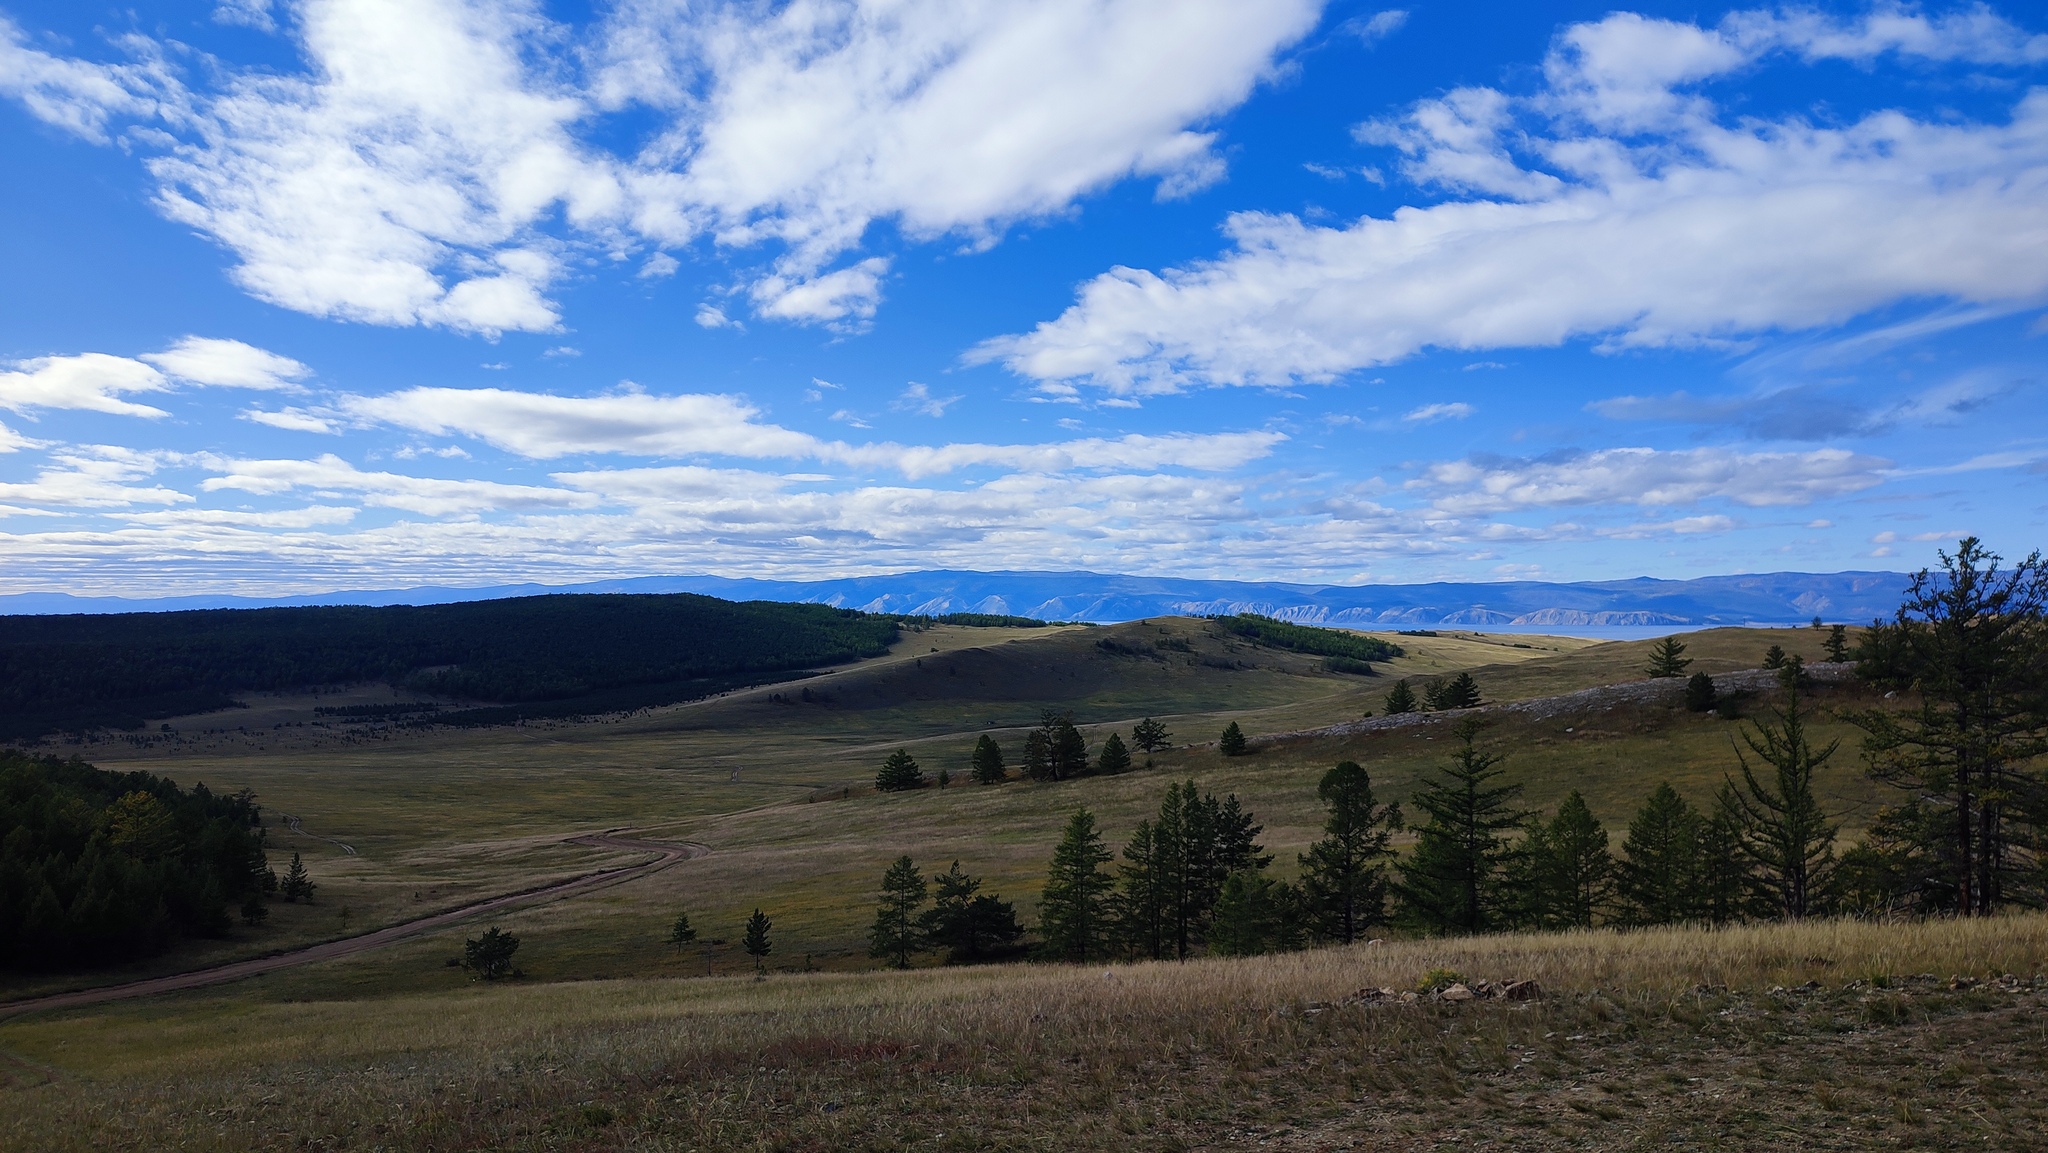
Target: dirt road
(667, 855)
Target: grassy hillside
(779, 787)
(604, 653)
(1818, 1036)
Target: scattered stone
(1457, 992)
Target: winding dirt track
(667, 855)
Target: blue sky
(353, 293)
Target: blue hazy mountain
(1762, 598)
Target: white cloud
(1431, 413)
(80, 96)
(712, 316)
(93, 381)
(229, 364)
(1647, 478)
(247, 13)
(94, 476)
(1701, 231)
(435, 161)
(807, 123)
(831, 298)
(542, 426)
(331, 476)
(12, 441)
(312, 516)
(1378, 26)
(918, 398)
(659, 266)
(296, 420)
(402, 180)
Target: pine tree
(1785, 833)
(1232, 742)
(1149, 735)
(899, 773)
(1190, 874)
(895, 934)
(1970, 644)
(1038, 756)
(1140, 904)
(1699, 693)
(1114, 758)
(1457, 692)
(988, 762)
(1667, 659)
(1571, 868)
(296, 883)
(490, 956)
(1452, 881)
(1726, 873)
(969, 924)
(1837, 644)
(680, 933)
(1069, 750)
(1344, 875)
(1774, 657)
(1255, 914)
(755, 941)
(1660, 866)
(1399, 699)
(1055, 751)
(1073, 920)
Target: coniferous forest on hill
(593, 653)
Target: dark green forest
(1335, 643)
(99, 867)
(544, 655)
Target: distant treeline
(70, 673)
(99, 867)
(1314, 641)
(979, 621)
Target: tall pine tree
(1785, 833)
(1344, 875)
(1971, 644)
(895, 934)
(1668, 658)
(1570, 870)
(1659, 874)
(988, 762)
(1073, 915)
(1452, 882)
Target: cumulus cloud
(403, 178)
(1616, 204)
(228, 364)
(437, 161)
(1647, 478)
(97, 381)
(93, 381)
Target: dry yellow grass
(1208, 1054)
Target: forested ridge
(97, 867)
(60, 673)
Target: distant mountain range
(1765, 598)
